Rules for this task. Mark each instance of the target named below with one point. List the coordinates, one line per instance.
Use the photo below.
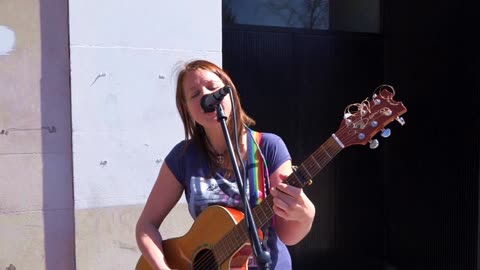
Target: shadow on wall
(58, 207)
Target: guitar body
(190, 250)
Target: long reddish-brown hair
(195, 131)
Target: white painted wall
(124, 119)
(7, 40)
(124, 55)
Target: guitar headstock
(362, 121)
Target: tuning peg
(386, 133)
(400, 120)
(374, 144)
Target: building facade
(87, 116)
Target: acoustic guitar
(218, 238)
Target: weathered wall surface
(87, 115)
(36, 202)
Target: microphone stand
(262, 257)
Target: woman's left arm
(294, 212)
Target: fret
(320, 167)
(266, 212)
(303, 165)
(326, 152)
(264, 217)
(257, 217)
(289, 180)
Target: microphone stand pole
(262, 257)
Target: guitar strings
(206, 258)
(311, 163)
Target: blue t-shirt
(190, 167)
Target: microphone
(209, 101)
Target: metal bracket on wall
(50, 129)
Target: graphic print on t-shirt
(205, 192)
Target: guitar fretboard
(263, 212)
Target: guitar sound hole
(205, 260)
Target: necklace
(219, 157)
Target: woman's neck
(216, 139)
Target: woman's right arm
(164, 195)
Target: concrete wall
(36, 202)
(87, 115)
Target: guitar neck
(263, 212)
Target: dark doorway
(296, 83)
